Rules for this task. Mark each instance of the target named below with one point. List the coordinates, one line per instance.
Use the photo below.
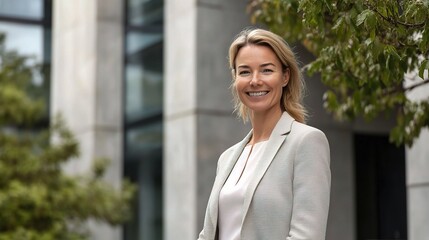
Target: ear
(286, 76)
(233, 73)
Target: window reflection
(143, 115)
(145, 12)
(22, 8)
(143, 165)
(144, 96)
(147, 217)
(24, 39)
(143, 75)
(144, 140)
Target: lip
(257, 93)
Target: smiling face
(259, 79)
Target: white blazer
(288, 197)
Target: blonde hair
(291, 99)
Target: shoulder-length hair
(291, 99)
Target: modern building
(146, 84)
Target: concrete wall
(418, 176)
(418, 187)
(87, 85)
(179, 120)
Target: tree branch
(426, 81)
(394, 21)
(400, 88)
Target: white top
(231, 196)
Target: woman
(275, 184)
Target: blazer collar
(277, 137)
(223, 175)
(283, 126)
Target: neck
(263, 125)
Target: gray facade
(418, 188)
(418, 178)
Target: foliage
(364, 49)
(37, 200)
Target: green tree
(37, 200)
(363, 50)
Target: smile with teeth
(257, 94)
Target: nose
(255, 80)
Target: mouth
(257, 94)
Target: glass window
(143, 165)
(26, 25)
(145, 12)
(22, 8)
(143, 75)
(24, 39)
(143, 71)
(144, 139)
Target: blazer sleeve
(311, 187)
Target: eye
(267, 70)
(244, 73)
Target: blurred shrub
(37, 200)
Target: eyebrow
(262, 65)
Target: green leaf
(330, 100)
(424, 44)
(423, 66)
(338, 24)
(371, 21)
(363, 16)
(368, 41)
(392, 51)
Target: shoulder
(311, 149)
(305, 134)
(298, 127)
(303, 130)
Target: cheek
(281, 84)
(239, 85)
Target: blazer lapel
(223, 175)
(276, 139)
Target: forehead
(256, 54)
